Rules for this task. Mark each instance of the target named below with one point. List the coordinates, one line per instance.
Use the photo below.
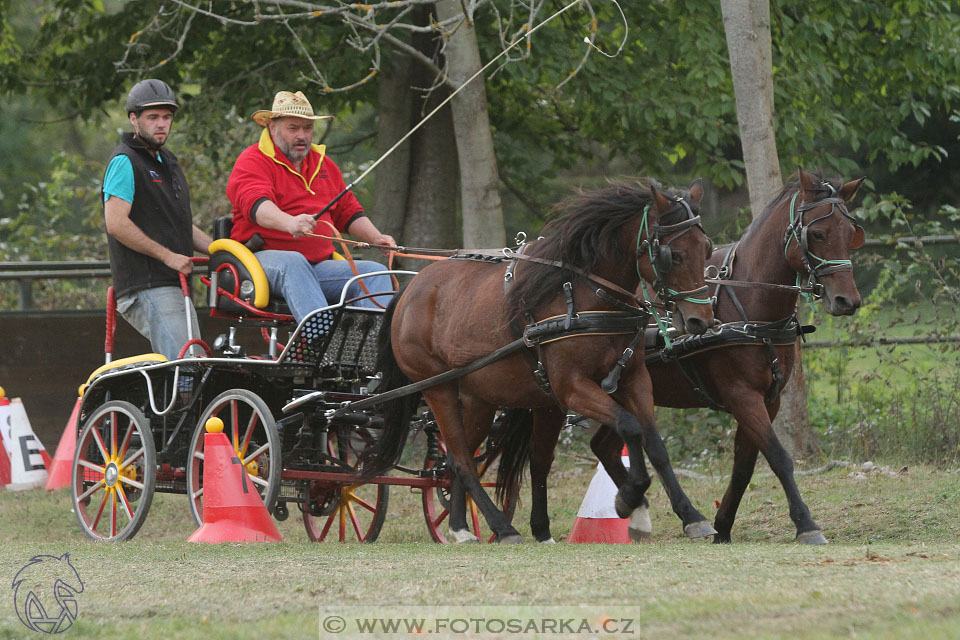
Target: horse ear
(806, 181)
(660, 201)
(859, 237)
(696, 191)
(849, 190)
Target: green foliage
(895, 402)
(59, 218)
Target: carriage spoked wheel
(358, 510)
(436, 505)
(114, 470)
(249, 425)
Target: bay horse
(806, 220)
(597, 253)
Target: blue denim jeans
(307, 287)
(159, 315)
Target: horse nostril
(845, 306)
(696, 325)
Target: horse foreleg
(756, 421)
(590, 401)
(547, 424)
(695, 525)
(445, 403)
(744, 460)
(608, 446)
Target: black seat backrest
(222, 227)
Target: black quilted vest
(161, 208)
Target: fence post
(26, 293)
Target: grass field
(892, 569)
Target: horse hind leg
(547, 424)
(445, 404)
(458, 531)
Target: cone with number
(62, 466)
(26, 458)
(597, 520)
(232, 508)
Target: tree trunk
(432, 188)
(395, 107)
(479, 195)
(747, 27)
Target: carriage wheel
(249, 424)
(114, 470)
(357, 510)
(436, 507)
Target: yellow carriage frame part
(122, 362)
(261, 287)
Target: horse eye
(676, 258)
(818, 235)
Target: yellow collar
(268, 149)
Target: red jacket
(263, 172)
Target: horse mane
(582, 229)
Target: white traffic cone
(27, 458)
(597, 520)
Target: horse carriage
(323, 420)
(142, 418)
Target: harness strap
(726, 272)
(432, 381)
(603, 282)
(535, 361)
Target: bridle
(651, 240)
(815, 266)
(661, 258)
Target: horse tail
(514, 448)
(396, 413)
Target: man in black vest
(150, 230)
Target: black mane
(582, 229)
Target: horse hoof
(462, 536)
(623, 509)
(511, 539)
(548, 541)
(700, 529)
(811, 537)
(640, 528)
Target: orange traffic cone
(597, 520)
(232, 508)
(27, 458)
(59, 470)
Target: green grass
(892, 570)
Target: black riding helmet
(151, 94)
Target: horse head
(673, 255)
(817, 243)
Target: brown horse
(806, 220)
(590, 264)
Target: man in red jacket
(276, 187)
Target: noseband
(797, 231)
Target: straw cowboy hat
(286, 104)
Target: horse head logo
(45, 593)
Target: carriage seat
(236, 273)
(235, 270)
